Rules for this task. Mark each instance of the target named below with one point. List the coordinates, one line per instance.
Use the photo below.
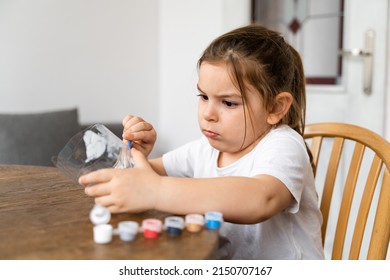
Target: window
(313, 27)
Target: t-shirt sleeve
(285, 158)
(180, 161)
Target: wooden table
(44, 215)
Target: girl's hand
(140, 132)
(124, 190)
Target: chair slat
(346, 203)
(364, 208)
(381, 230)
(315, 149)
(334, 162)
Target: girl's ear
(280, 107)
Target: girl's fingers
(114, 209)
(140, 161)
(142, 136)
(126, 119)
(137, 127)
(105, 201)
(132, 121)
(98, 190)
(95, 177)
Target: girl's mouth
(210, 134)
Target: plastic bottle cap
(102, 234)
(99, 215)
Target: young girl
(252, 163)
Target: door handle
(367, 54)
(355, 52)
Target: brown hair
(262, 59)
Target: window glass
(313, 27)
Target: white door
(348, 102)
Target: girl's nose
(210, 112)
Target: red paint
(151, 233)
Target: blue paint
(213, 220)
(212, 224)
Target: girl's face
(221, 112)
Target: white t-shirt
(293, 234)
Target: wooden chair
(375, 189)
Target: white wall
(186, 28)
(97, 55)
(111, 58)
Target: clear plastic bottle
(94, 148)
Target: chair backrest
(375, 190)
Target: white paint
(95, 145)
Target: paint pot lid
(194, 219)
(174, 222)
(99, 215)
(213, 216)
(152, 224)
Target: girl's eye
(203, 97)
(229, 104)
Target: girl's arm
(240, 199)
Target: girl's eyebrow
(220, 96)
(199, 89)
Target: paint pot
(102, 231)
(102, 234)
(174, 225)
(127, 230)
(99, 215)
(194, 222)
(151, 228)
(213, 220)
